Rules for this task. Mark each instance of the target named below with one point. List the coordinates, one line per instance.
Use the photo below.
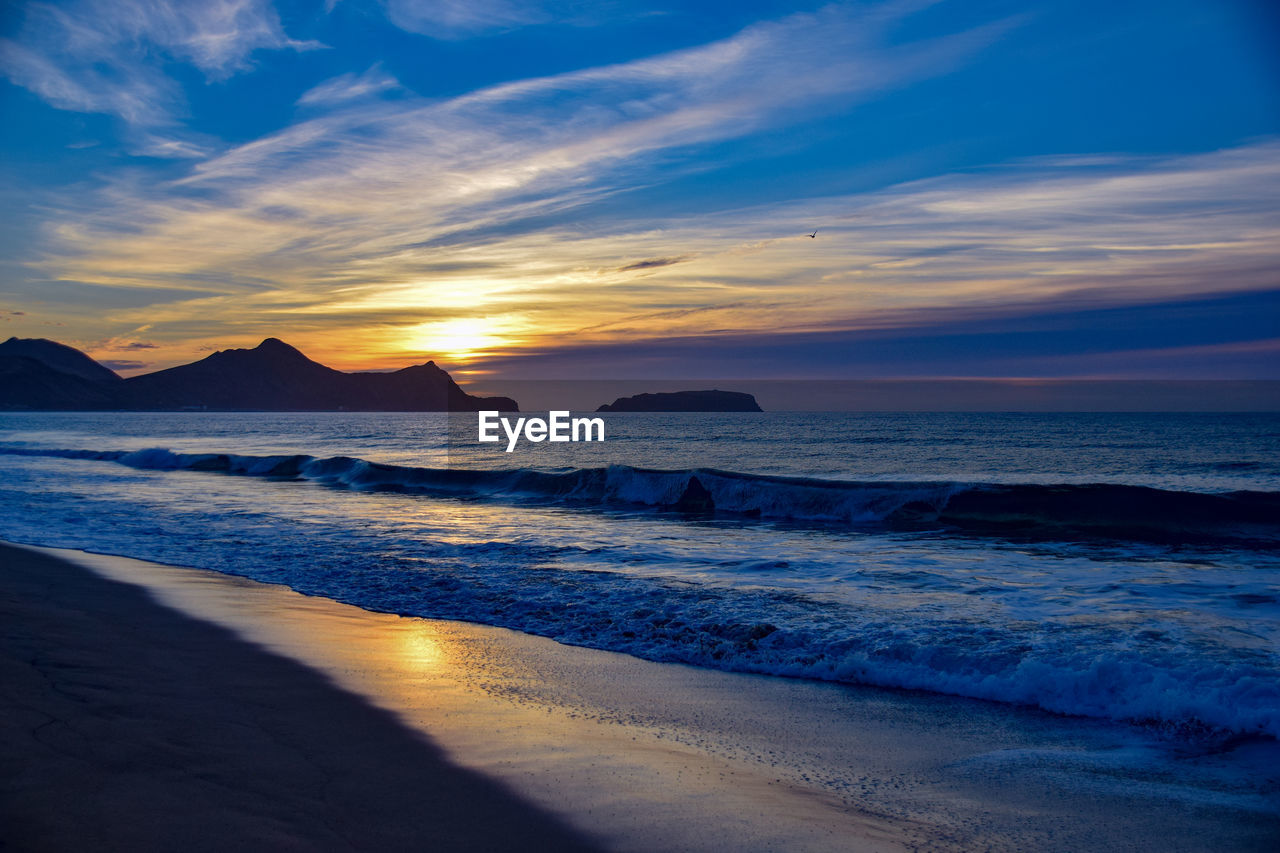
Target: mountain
(59, 357)
(26, 383)
(685, 401)
(422, 387)
(273, 376)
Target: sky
(565, 189)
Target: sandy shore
(149, 707)
(128, 726)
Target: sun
(458, 340)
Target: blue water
(1108, 565)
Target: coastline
(175, 728)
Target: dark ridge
(273, 376)
(59, 357)
(27, 383)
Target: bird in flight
(814, 234)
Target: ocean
(1115, 566)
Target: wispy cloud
(397, 219)
(380, 194)
(459, 19)
(654, 263)
(349, 87)
(976, 247)
(107, 56)
(1230, 334)
(449, 19)
(128, 91)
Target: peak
(276, 348)
(429, 368)
(270, 351)
(58, 356)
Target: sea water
(1119, 566)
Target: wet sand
(150, 707)
(129, 726)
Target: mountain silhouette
(685, 401)
(272, 376)
(59, 357)
(26, 383)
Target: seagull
(813, 235)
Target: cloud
(458, 19)
(378, 217)
(1188, 338)
(123, 364)
(349, 87)
(382, 187)
(131, 92)
(1000, 243)
(450, 19)
(653, 263)
(107, 56)
(138, 345)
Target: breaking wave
(1100, 509)
(1138, 664)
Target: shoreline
(631, 754)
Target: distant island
(38, 374)
(685, 401)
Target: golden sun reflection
(419, 649)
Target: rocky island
(685, 401)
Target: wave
(1137, 668)
(1053, 510)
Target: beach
(153, 707)
(129, 726)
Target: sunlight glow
(420, 648)
(458, 340)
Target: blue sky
(601, 189)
